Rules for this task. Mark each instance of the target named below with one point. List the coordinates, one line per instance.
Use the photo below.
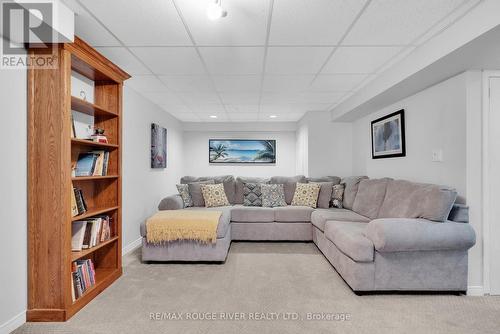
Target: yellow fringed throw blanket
(171, 225)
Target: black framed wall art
(388, 136)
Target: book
(73, 132)
(80, 202)
(106, 161)
(99, 138)
(74, 207)
(99, 164)
(77, 234)
(85, 164)
(86, 239)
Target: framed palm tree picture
(242, 151)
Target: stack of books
(93, 163)
(83, 277)
(90, 232)
(78, 204)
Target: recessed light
(213, 116)
(273, 116)
(215, 10)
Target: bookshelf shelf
(90, 143)
(90, 108)
(78, 255)
(91, 178)
(95, 212)
(52, 153)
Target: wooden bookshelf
(51, 154)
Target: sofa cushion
(350, 240)
(224, 220)
(252, 214)
(288, 183)
(196, 194)
(334, 179)
(252, 194)
(371, 194)
(338, 196)
(183, 190)
(214, 195)
(293, 214)
(405, 199)
(240, 183)
(227, 180)
(325, 194)
(320, 216)
(306, 194)
(351, 189)
(272, 195)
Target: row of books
(93, 163)
(78, 204)
(83, 277)
(90, 232)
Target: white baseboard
(13, 323)
(132, 246)
(475, 290)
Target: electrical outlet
(437, 155)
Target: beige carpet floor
(284, 280)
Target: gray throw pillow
(184, 192)
(252, 195)
(325, 194)
(338, 195)
(195, 192)
(273, 195)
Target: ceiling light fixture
(213, 116)
(273, 116)
(215, 10)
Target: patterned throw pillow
(306, 194)
(338, 195)
(214, 195)
(273, 195)
(184, 192)
(252, 195)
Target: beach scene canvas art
(242, 151)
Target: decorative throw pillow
(195, 192)
(184, 192)
(325, 194)
(214, 195)
(338, 195)
(306, 194)
(273, 195)
(252, 195)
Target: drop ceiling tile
(207, 108)
(280, 98)
(176, 109)
(293, 108)
(306, 22)
(286, 117)
(359, 59)
(239, 98)
(124, 59)
(245, 23)
(186, 117)
(171, 60)
(337, 82)
(242, 108)
(199, 98)
(163, 98)
(188, 83)
(286, 83)
(246, 117)
(88, 29)
(321, 97)
(238, 83)
(205, 117)
(233, 60)
(146, 83)
(398, 22)
(141, 23)
(296, 60)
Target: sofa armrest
(406, 235)
(173, 202)
(459, 213)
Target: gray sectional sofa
(391, 235)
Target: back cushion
(196, 193)
(371, 194)
(350, 190)
(405, 199)
(240, 183)
(334, 179)
(226, 180)
(288, 183)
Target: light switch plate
(437, 155)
